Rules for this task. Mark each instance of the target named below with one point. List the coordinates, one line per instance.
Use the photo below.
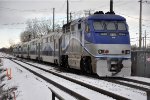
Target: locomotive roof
(107, 17)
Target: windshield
(121, 26)
(98, 25)
(109, 25)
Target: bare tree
(45, 26)
(36, 28)
(25, 36)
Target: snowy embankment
(22, 85)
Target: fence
(140, 63)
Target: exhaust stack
(111, 6)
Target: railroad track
(116, 80)
(127, 82)
(125, 79)
(77, 95)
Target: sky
(15, 13)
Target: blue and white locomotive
(99, 43)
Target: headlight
(113, 34)
(100, 51)
(103, 51)
(127, 51)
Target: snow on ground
(28, 86)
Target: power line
(133, 17)
(122, 3)
(31, 10)
(18, 23)
(16, 28)
(145, 26)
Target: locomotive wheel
(85, 65)
(55, 62)
(64, 61)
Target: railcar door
(38, 50)
(60, 49)
(28, 51)
(54, 47)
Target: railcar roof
(107, 17)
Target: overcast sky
(15, 13)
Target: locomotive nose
(113, 67)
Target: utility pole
(145, 40)
(70, 16)
(140, 24)
(143, 43)
(63, 22)
(53, 19)
(67, 12)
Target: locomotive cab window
(121, 26)
(98, 25)
(110, 25)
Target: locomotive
(99, 43)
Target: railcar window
(98, 25)
(121, 26)
(52, 38)
(45, 40)
(79, 26)
(110, 25)
(72, 28)
(49, 39)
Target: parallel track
(127, 84)
(127, 80)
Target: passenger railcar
(48, 47)
(25, 50)
(17, 50)
(33, 49)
